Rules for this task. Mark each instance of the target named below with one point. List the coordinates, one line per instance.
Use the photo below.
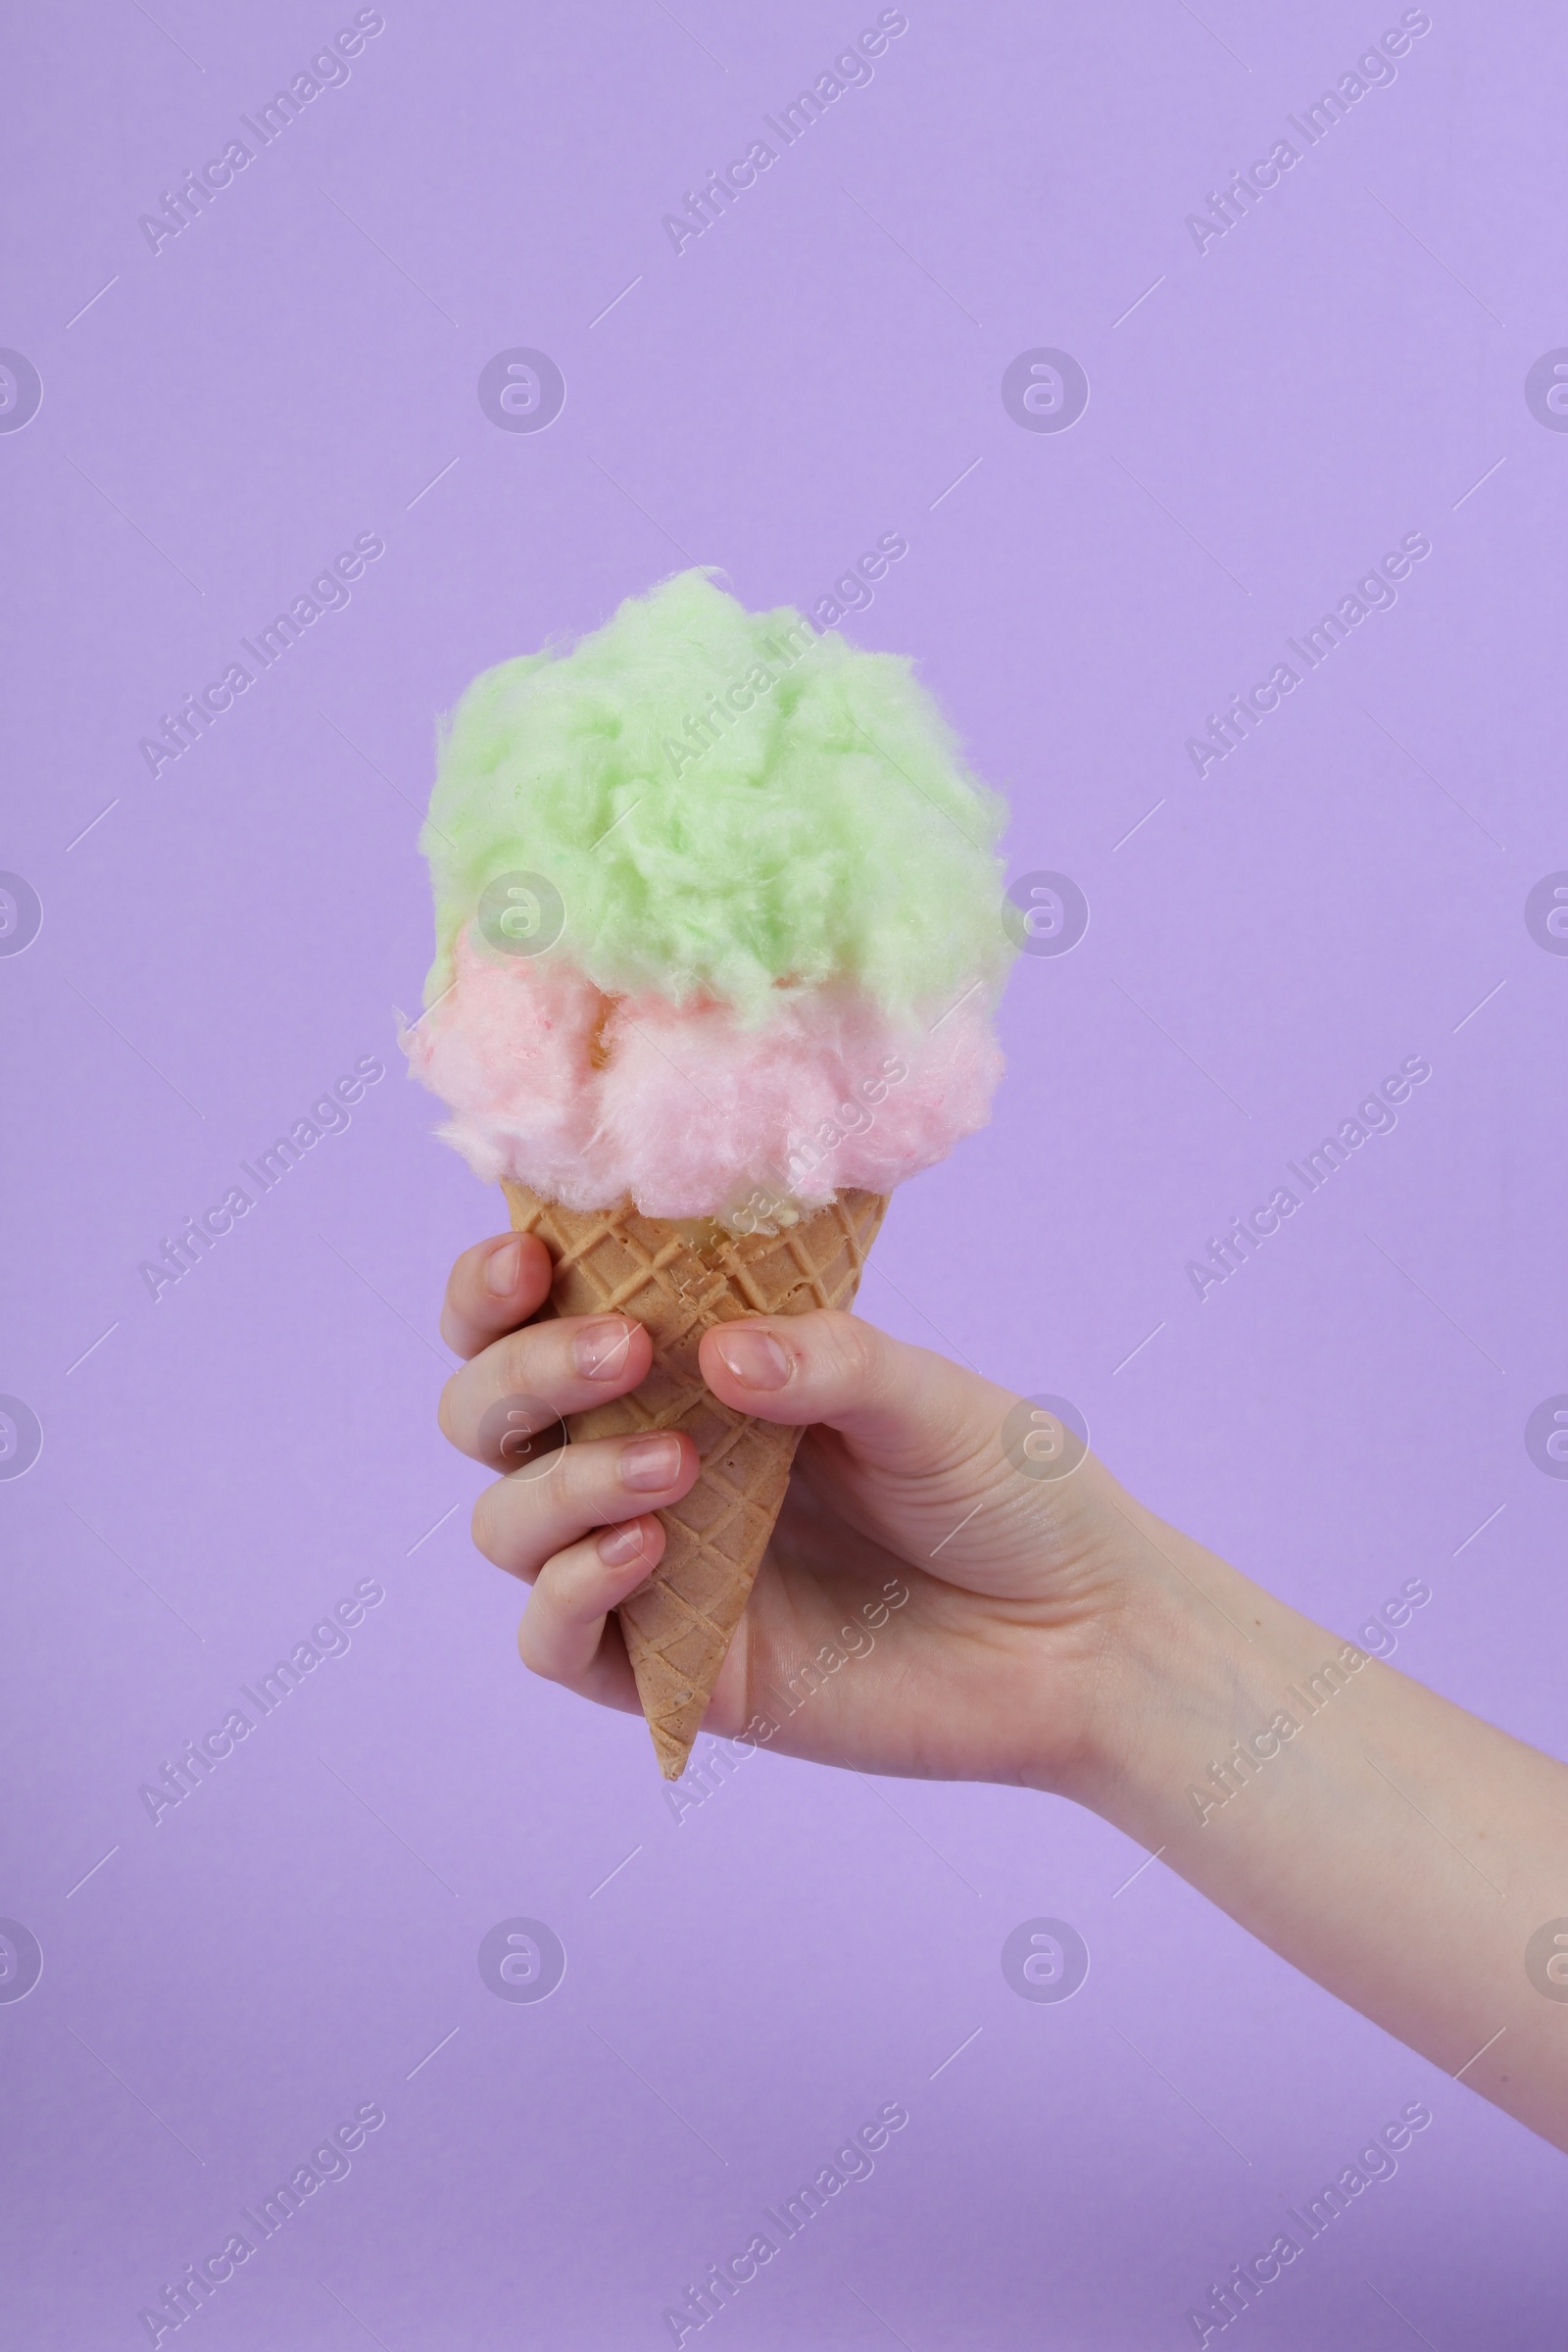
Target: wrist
(1208, 1679)
(1192, 1656)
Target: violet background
(1345, 366)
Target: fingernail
(501, 1268)
(649, 1463)
(599, 1350)
(754, 1357)
(618, 1546)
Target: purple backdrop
(239, 384)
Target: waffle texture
(679, 1279)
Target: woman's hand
(954, 1589)
(939, 1591)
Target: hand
(925, 1606)
(929, 1606)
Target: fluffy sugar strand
(590, 1100)
(730, 808)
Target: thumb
(901, 1407)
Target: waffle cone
(679, 1279)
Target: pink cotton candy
(590, 1100)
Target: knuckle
(854, 1351)
(490, 1525)
(459, 1301)
(575, 1582)
(519, 1358)
(574, 1476)
(483, 1525)
(530, 1648)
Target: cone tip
(673, 1754)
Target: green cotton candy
(729, 805)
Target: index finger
(493, 1288)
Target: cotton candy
(718, 917)
(590, 1100)
(828, 832)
